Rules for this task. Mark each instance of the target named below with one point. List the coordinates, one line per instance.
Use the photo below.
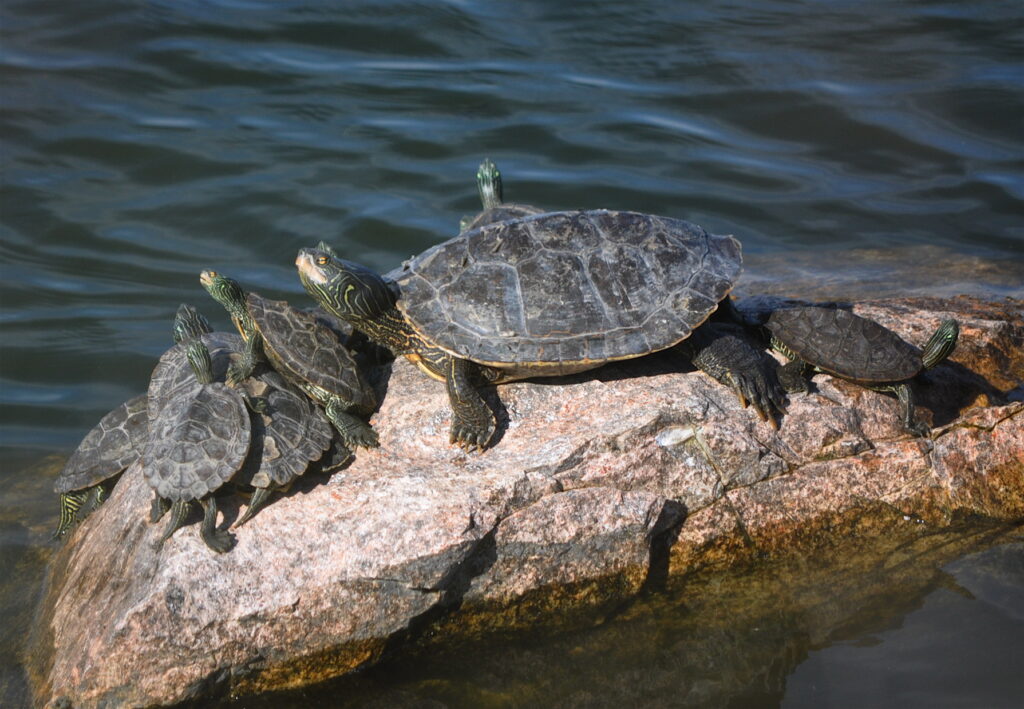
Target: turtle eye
(322, 260)
(213, 274)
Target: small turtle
(302, 348)
(488, 183)
(197, 442)
(106, 451)
(850, 347)
(286, 438)
(547, 295)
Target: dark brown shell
(111, 446)
(844, 344)
(568, 287)
(308, 350)
(288, 437)
(173, 372)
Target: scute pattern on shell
(173, 373)
(293, 433)
(308, 349)
(198, 443)
(568, 286)
(110, 447)
(845, 344)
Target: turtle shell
(198, 441)
(288, 437)
(564, 291)
(303, 347)
(502, 213)
(111, 446)
(173, 373)
(844, 344)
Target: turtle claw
(470, 438)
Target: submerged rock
(600, 485)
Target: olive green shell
(288, 437)
(111, 446)
(566, 290)
(844, 344)
(199, 434)
(173, 372)
(198, 442)
(301, 346)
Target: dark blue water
(855, 148)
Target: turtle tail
(941, 344)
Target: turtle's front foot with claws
(473, 423)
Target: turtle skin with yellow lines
(546, 295)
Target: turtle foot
(469, 436)
(220, 541)
(920, 428)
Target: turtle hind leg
(259, 498)
(70, 503)
(793, 376)
(158, 508)
(217, 539)
(354, 431)
(179, 511)
(473, 422)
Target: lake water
(856, 149)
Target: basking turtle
(850, 347)
(546, 295)
(304, 350)
(291, 433)
(197, 442)
(106, 451)
(488, 183)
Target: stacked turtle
(519, 293)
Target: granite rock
(599, 485)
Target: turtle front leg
(906, 396)
(219, 540)
(473, 423)
(243, 369)
(731, 361)
(792, 376)
(353, 430)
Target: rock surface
(599, 485)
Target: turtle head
(189, 323)
(488, 182)
(941, 344)
(324, 246)
(199, 358)
(345, 289)
(225, 291)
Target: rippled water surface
(869, 148)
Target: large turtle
(197, 442)
(106, 451)
(848, 346)
(302, 348)
(290, 434)
(546, 295)
(488, 183)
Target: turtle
(198, 440)
(302, 348)
(286, 438)
(547, 295)
(845, 345)
(106, 451)
(488, 183)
